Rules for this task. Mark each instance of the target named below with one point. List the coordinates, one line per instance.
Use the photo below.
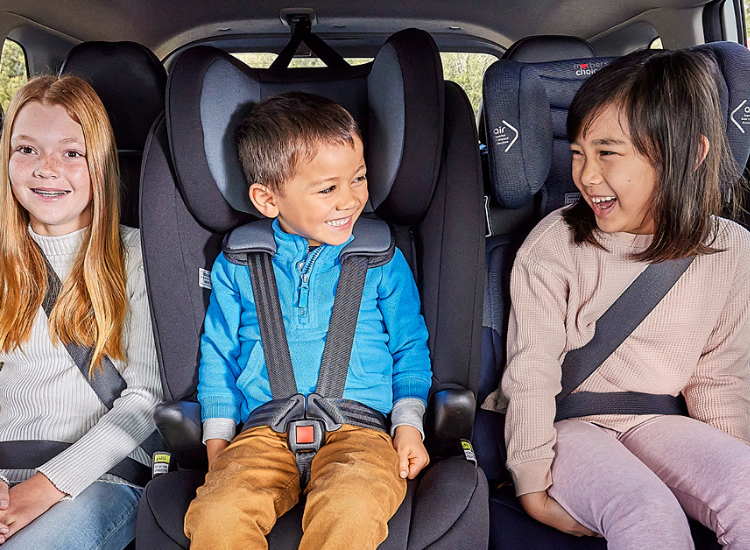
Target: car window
(467, 69)
(13, 71)
(464, 68)
(747, 19)
(264, 60)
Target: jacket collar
(294, 248)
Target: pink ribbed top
(696, 341)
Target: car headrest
(397, 99)
(130, 81)
(526, 108)
(548, 47)
(734, 63)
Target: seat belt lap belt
(612, 329)
(108, 385)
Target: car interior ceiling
(352, 27)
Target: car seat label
(505, 135)
(570, 198)
(204, 278)
(160, 463)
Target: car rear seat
(529, 175)
(424, 178)
(130, 81)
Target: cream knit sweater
(44, 396)
(696, 341)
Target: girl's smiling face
(615, 180)
(48, 169)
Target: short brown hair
(670, 99)
(285, 129)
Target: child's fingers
(4, 499)
(404, 467)
(417, 464)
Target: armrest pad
(450, 417)
(179, 423)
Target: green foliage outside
(12, 72)
(467, 70)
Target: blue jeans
(101, 518)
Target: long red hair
(92, 305)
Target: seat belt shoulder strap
(620, 320)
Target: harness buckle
(305, 435)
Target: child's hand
(26, 502)
(214, 448)
(412, 456)
(547, 510)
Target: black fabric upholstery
(548, 47)
(130, 81)
(734, 61)
(429, 189)
(175, 250)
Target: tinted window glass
(467, 70)
(464, 68)
(13, 72)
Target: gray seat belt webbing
(108, 386)
(619, 321)
(31, 454)
(338, 348)
(343, 324)
(271, 325)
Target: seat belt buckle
(305, 435)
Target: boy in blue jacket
(303, 157)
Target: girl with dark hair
(652, 164)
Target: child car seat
(130, 81)
(529, 176)
(424, 178)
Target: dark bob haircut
(669, 101)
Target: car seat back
(130, 81)
(424, 179)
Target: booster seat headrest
(397, 99)
(548, 47)
(526, 108)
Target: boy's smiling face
(323, 199)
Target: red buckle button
(305, 434)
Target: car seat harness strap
(307, 419)
(612, 329)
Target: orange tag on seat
(305, 434)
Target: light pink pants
(632, 487)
